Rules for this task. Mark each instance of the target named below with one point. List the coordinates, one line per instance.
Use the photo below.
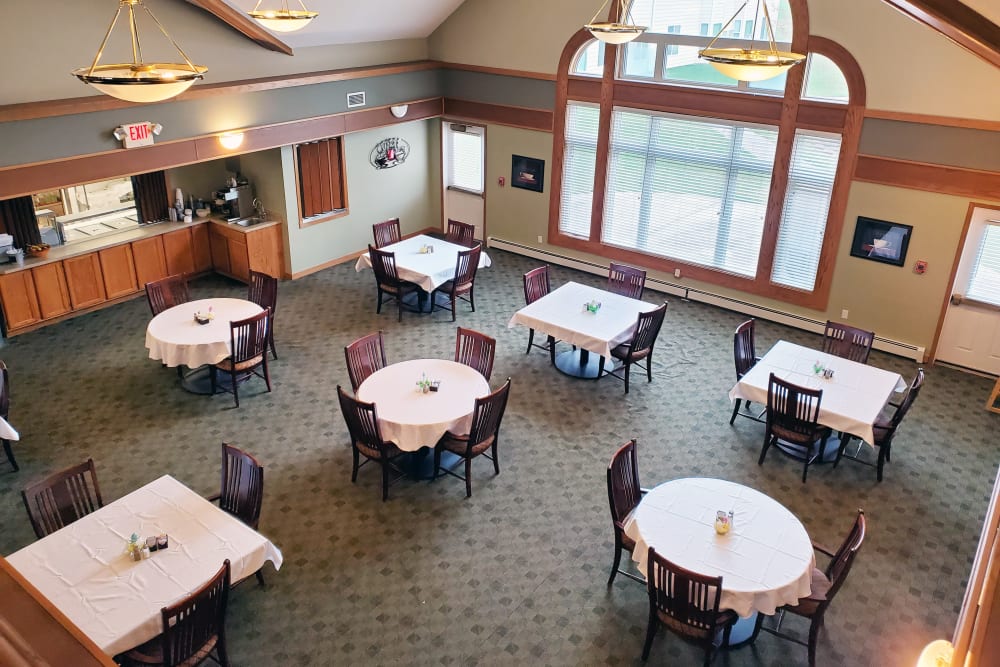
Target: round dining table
(413, 419)
(176, 339)
(765, 560)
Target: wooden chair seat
(624, 352)
(391, 451)
(797, 438)
(228, 365)
(151, 653)
(727, 617)
(460, 444)
(819, 587)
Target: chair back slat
(248, 338)
(536, 284)
(476, 350)
(744, 352)
(62, 498)
(623, 483)
(689, 599)
(486, 417)
(364, 356)
(384, 266)
(647, 329)
(848, 342)
(626, 280)
(263, 290)
(792, 410)
(842, 561)
(167, 293)
(362, 422)
(911, 396)
(386, 233)
(196, 622)
(465, 267)
(242, 489)
(461, 233)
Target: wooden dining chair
(824, 587)
(624, 494)
(640, 347)
(463, 284)
(745, 358)
(386, 233)
(367, 441)
(483, 436)
(248, 344)
(62, 498)
(167, 293)
(536, 285)
(848, 342)
(475, 350)
(5, 413)
(388, 281)
(241, 492)
(461, 233)
(626, 280)
(792, 417)
(263, 290)
(884, 430)
(192, 629)
(687, 603)
(364, 356)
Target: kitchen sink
(246, 222)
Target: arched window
(672, 166)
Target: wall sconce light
(231, 140)
(399, 110)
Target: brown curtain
(151, 200)
(18, 218)
(321, 181)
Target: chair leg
(649, 366)
(378, 308)
(552, 350)
(260, 577)
(813, 637)
(13, 462)
(468, 478)
(267, 372)
(274, 352)
(888, 452)
(437, 462)
(651, 628)
(531, 340)
(454, 300)
(756, 627)
(628, 367)
(399, 307)
(844, 440)
(736, 410)
(496, 459)
(354, 469)
(236, 385)
(763, 451)
(618, 559)
(878, 466)
(472, 298)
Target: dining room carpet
(515, 574)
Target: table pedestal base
(580, 363)
(829, 455)
(199, 380)
(420, 464)
(742, 631)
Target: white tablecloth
(766, 559)
(429, 270)
(84, 570)
(560, 313)
(412, 419)
(852, 398)
(7, 431)
(176, 339)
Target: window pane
(984, 283)
(466, 161)
(577, 195)
(640, 59)
(807, 203)
(590, 60)
(691, 189)
(824, 80)
(685, 65)
(706, 17)
(776, 85)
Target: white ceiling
(351, 21)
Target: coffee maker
(235, 202)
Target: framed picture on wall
(527, 172)
(881, 241)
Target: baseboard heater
(728, 303)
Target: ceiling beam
(242, 23)
(958, 22)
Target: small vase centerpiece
(723, 522)
(204, 317)
(592, 306)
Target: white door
(970, 336)
(463, 178)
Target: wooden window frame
(787, 113)
(333, 178)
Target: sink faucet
(259, 209)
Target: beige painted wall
(513, 213)
(409, 192)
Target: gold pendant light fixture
(284, 19)
(139, 81)
(615, 32)
(751, 64)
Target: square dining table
(852, 398)
(561, 313)
(85, 572)
(429, 270)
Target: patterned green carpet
(516, 574)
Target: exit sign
(137, 134)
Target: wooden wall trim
(243, 24)
(942, 179)
(928, 119)
(958, 22)
(29, 179)
(76, 105)
(529, 119)
(501, 71)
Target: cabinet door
(50, 287)
(83, 278)
(177, 250)
(220, 252)
(17, 295)
(150, 261)
(239, 260)
(118, 270)
(266, 251)
(201, 250)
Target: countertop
(61, 252)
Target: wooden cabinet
(20, 305)
(83, 277)
(150, 260)
(236, 252)
(201, 250)
(220, 251)
(178, 252)
(118, 271)
(266, 250)
(51, 290)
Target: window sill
(323, 217)
(474, 193)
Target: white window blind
(984, 281)
(688, 188)
(465, 158)
(807, 203)
(577, 195)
